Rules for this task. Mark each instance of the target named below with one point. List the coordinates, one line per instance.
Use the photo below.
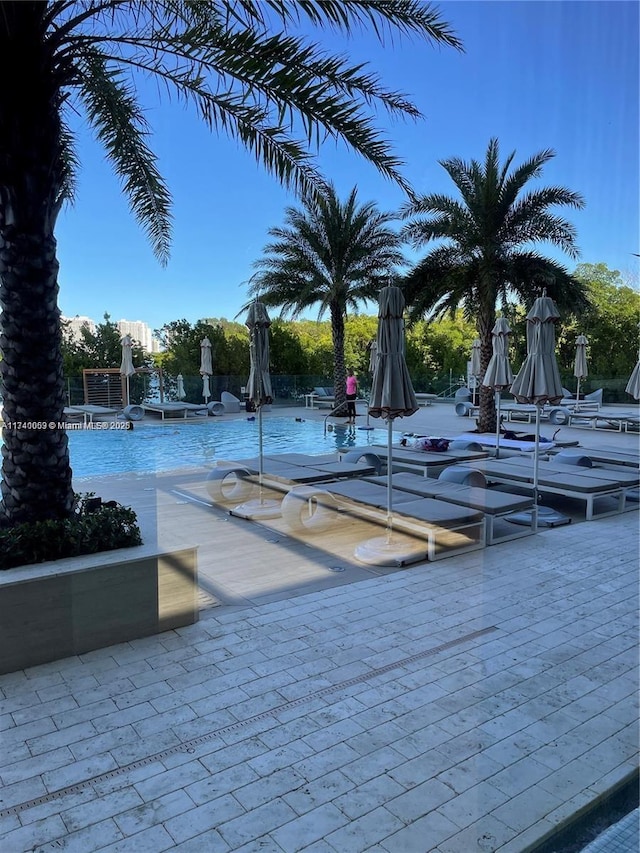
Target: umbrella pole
(127, 390)
(389, 472)
(577, 406)
(260, 458)
(536, 455)
(498, 425)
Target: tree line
(435, 349)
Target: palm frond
(121, 127)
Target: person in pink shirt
(352, 393)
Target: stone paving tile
(307, 796)
(421, 835)
(153, 840)
(146, 815)
(204, 818)
(309, 827)
(85, 840)
(259, 821)
(361, 833)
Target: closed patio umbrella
(538, 381)
(580, 370)
(260, 393)
(633, 385)
(498, 374)
(475, 368)
(180, 392)
(206, 367)
(392, 396)
(126, 365)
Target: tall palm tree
(487, 250)
(330, 254)
(239, 65)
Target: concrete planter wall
(67, 607)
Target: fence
(290, 390)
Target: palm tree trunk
(36, 476)
(339, 370)
(487, 412)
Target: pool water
(147, 449)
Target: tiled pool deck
(472, 704)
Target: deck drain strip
(190, 745)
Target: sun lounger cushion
(485, 500)
(430, 511)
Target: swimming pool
(150, 448)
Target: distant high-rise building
(75, 324)
(140, 332)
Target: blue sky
(561, 75)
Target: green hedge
(93, 527)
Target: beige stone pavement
(471, 704)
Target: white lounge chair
(92, 411)
(230, 402)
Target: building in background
(139, 331)
(75, 324)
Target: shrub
(93, 527)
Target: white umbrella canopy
(538, 381)
(392, 396)
(633, 385)
(498, 374)
(180, 392)
(206, 367)
(373, 356)
(580, 369)
(126, 365)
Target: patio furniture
(230, 402)
(575, 484)
(444, 529)
(92, 412)
(496, 505)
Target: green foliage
(89, 530)
(486, 251)
(610, 323)
(332, 255)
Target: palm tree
(238, 64)
(330, 254)
(487, 253)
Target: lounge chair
(74, 415)
(426, 399)
(607, 456)
(96, 411)
(488, 440)
(174, 410)
(237, 481)
(445, 529)
(605, 420)
(496, 505)
(426, 462)
(576, 484)
(230, 402)
(324, 397)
